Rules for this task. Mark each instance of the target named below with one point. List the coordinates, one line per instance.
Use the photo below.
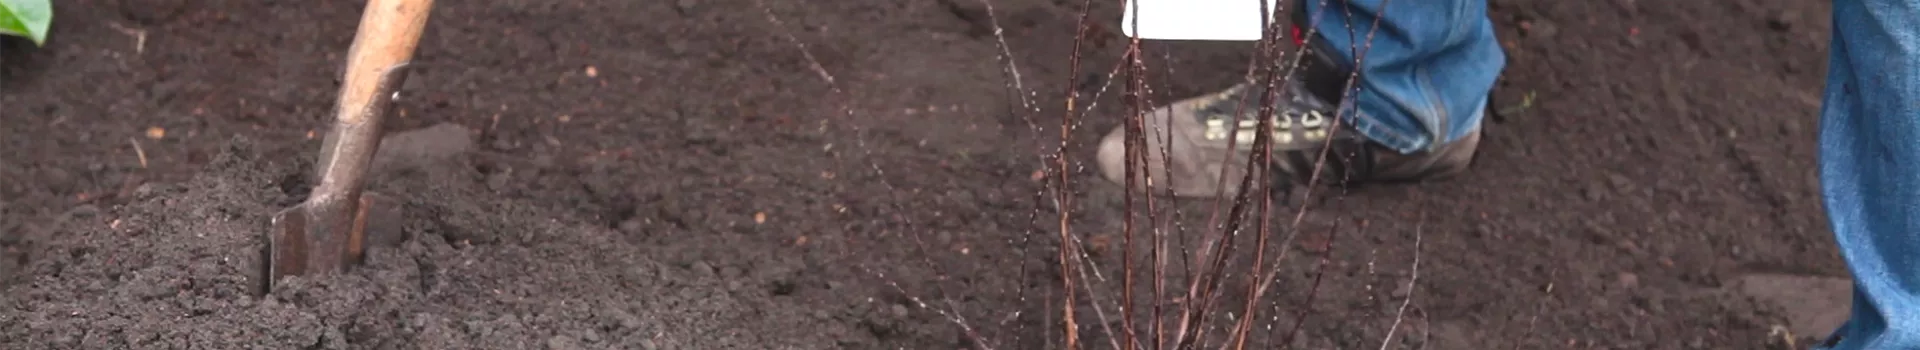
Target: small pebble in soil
(497, 182)
(630, 226)
(561, 342)
(1629, 280)
(701, 269)
(627, 320)
(85, 211)
(678, 48)
(1539, 29)
(543, 161)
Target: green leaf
(26, 18)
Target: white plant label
(1223, 20)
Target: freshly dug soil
(171, 271)
(715, 174)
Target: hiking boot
(1201, 145)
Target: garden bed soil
(715, 174)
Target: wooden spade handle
(389, 32)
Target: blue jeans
(1870, 167)
(1426, 75)
(1432, 63)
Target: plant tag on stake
(1223, 20)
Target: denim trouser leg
(1870, 167)
(1428, 72)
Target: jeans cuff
(1395, 140)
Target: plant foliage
(26, 18)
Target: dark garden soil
(720, 174)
